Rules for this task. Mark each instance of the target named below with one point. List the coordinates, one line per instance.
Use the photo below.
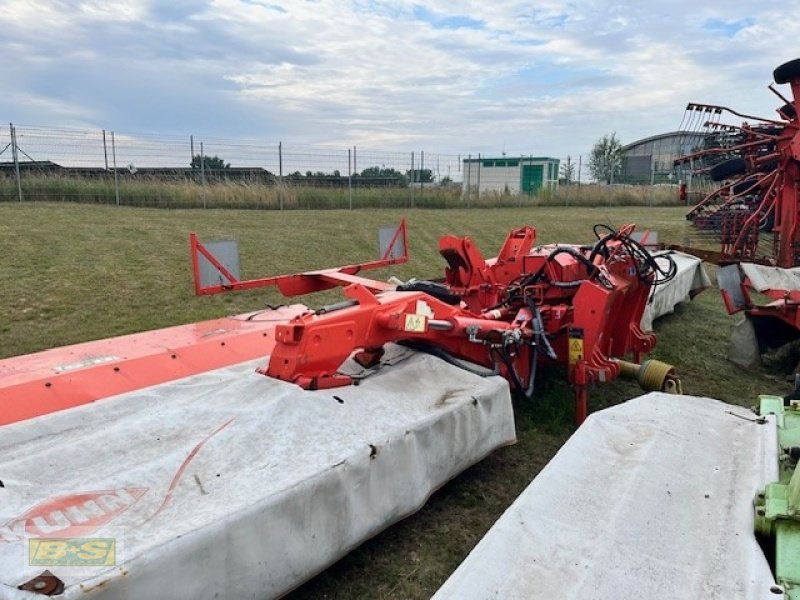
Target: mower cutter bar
(44, 382)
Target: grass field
(73, 272)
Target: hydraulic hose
(450, 359)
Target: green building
(510, 175)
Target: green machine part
(778, 505)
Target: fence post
(479, 176)
(105, 149)
(15, 156)
(116, 175)
(469, 180)
(421, 173)
(203, 174)
(349, 179)
(411, 185)
(280, 175)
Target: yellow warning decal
(575, 345)
(415, 323)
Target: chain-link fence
(38, 163)
(57, 164)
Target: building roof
(511, 157)
(662, 136)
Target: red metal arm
(300, 283)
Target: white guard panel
(650, 499)
(230, 484)
(690, 280)
(765, 278)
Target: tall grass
(158, 193)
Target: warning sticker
(415, 323)
(575, 345)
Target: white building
(510, 175)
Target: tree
(605, 162)
(568, 171)
(420, 175)
(209, 163)
(388, 175)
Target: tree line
(215, 165)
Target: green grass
(75, 272)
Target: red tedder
(578, 306)
(755, 207)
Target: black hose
(568, 284)
(653, 268)
(604, 226)
(648, 270)
(538, 329)
(602, 242)
(532, 381)
(590, 267)
(449, 358)
(540, 337)
(513, 372)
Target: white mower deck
(229, 484)
(652, 498)
(690, 279)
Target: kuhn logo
(71, 515)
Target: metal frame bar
(299, 283)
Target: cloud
(528, 78)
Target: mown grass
(149, 192)
(74, 272)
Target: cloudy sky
(525, 77)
